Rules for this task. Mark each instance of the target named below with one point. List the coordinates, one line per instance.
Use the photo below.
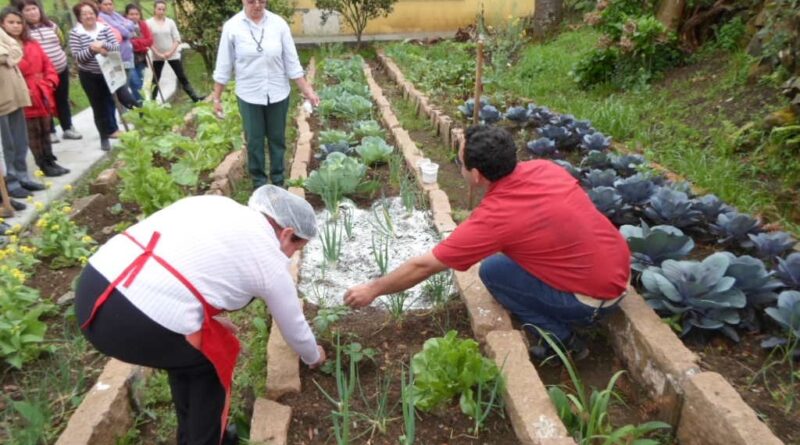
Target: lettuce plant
(788, 271)
(542, 147)
(374, 150)
(335, 137)
(626, 165)
(595, 141)
(671, 207)
(650, 247)
(448, 367)
(339, 175)
(518, 115)
(362, 129)
(600, 178)
(771, 244)
(698, 292)
(787, 314)
(636, 190)
(734, 227)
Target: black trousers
(102, 103)
(62, 102)
(177, 66)
(122, 331)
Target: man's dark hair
(491, 150)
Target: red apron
(219, 345)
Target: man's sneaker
(575, 347)
(72, 134)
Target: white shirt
(230, 254)
(165, 34)
(262, 77)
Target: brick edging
(662, 363)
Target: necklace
(259, 48)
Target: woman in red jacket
(141, 44)
(42, 80)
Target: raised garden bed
(635, 355)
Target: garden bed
(448, 130)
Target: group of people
(35, 79)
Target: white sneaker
(72, 134)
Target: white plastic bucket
(429, 172)
(421, 162)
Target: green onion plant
(331, 238)
(380, 251)
(409, 411)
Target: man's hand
(360, 295)
(322, 358)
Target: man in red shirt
(551, 258)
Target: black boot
(193, 95)
(52, 170)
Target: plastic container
(429, 172)
(422, 161)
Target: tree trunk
(670, 13)
(547, 16)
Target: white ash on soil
(325, 285)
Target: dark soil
(395, 343)
(763, 388)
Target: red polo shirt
(541, 218)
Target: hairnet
(287, 209)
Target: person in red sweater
(549, 256)
(141, 44)
(42, 80)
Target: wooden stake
(477, 108)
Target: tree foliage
(356, 13)
(200, 22)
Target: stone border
(270, 421)
(653, 353)
(105, 414)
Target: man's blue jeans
(534, 302)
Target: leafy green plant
(586, 415)
(326, 317)
(335, 137)
(343, 69)
(409, 411)
(338, 176)
(362, 129)
(699, 292)
(346, 106)
(408, 194)
(331, 239)
(380, 251)
(396, 305)
(650, 247)
(155, 120)
(728, 36)
(374, 150)
(60, 239)
(438, 289)
(448, 367)
(151, 188)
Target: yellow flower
(68, 187)
(48, 184)
(67, 209)
(26, 249)
(87, 239)
(55, 227)
(2, 220)
(16, 273)
(83, 260)
(38, 173)
(13, 239)
(29, 199)
(17, 228)
(41, 223)
(39, 206)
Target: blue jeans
(534, 302)
(136, 80)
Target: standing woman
(47, 33)
(166, 48)
(42, 81)
(13, 98)
(142, 41)
(257, 45)
(125, 30)
(87, 39)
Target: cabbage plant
(489, 114)
(652, 246)
(734, 227)
(636, 190)
(698, 292)
(711, 206)
(362, 129)
(542, 147)
(600, 178)
(333, 147)
(753, 278)
(609, 202)
(518, 115)
(787, 314)
(560, 135)
(772, 244)
(788, 271)
(539, 116)
(596, 159)
(626, 165)
(668, 206)
(468, 108)
(595, 141)
(374, 150)
(338, 176)
(335, 137)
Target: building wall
(413, 16)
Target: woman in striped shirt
(49, 36)
(86, 40)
